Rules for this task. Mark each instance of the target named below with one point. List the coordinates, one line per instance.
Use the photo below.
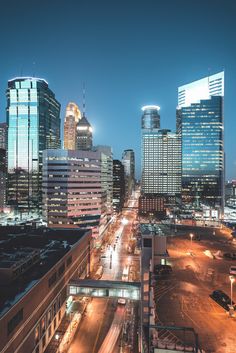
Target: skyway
(104, 289)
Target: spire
(83, 99)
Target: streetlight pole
(231, 289)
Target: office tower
(76, 200)
(161, 166)
(3, 136)
(150, 117)
(72, 118)
(118, 185)
(200, 123)
(84, 135)
(33, 120)
(3, 170)
(128, 161)
(161, 162)
(106, 177)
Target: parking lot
(183, 296)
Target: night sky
(129, 53)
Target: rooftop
(34, 252)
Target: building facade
(118, 185)
(72, 118)
(200, 123)
(3, 136)
(72, 190)
(128, 161)
(33, 120)
(31, 313)
(84, 135)
(3, 174)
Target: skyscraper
(161, 165)
(150, 117)
(72, 118)
(200, 123)
(84, 134)
(33, 119)
(128, 161)
(118, 185)
(3, 136)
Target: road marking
(100, 326)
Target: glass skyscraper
(33, 120)
(200, 124)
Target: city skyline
(114, 97)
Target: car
(230, 256)
(222, 299)
(121, 301)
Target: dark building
(201, 130)
(33, 120)
(35, 269)
(84, 135)
(118, 185)
(153, 205)
(3, 136)
(128, 161)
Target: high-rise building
(161, 162)
(72, 118)
(3, 136)
(150, 117)
(3, 170)
(84, 135)
(200, 123)
(106, 176)
(161, 166)
(128, 161)
(118, 185)
(33, 120)
(72, 190)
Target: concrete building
(34, 282)
(118, 185)
(72, 118)
(73, 195)
(161, 165)
(33, 120)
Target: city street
(183, 296)
(103, 314)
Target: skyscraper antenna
(83, 98)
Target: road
(183, 297)
(103, 313)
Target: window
(36, 334)
(14, 321)
(52, 279)
(69, 261)
(61, 269)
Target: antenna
(83, 99)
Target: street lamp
(191, 237)
(232, 279)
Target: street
(103, 319)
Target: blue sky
(129, 53)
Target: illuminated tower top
(72, 118)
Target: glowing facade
(72, 118)
(200, 123)
(33, 120)
(84, 135)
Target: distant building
(34, 275)
(33, 120)
(72, 118)
(3, 136)
(3, 174)
(73, 191)
(106, 175)
(161, 165)
(118, 185)
(200, 123)
(128, 161)
(84, 135)
(230, 193)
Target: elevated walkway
(104, 289)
